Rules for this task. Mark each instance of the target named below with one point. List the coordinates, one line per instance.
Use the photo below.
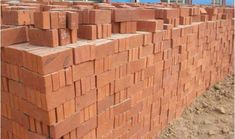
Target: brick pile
(129, 84)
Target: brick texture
(129, 84)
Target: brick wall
(128, 85)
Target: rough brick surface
(130, 84)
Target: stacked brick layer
(124, 86)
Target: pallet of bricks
(107, 71)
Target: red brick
(146, 50)
(120, 15)
(105, 78)
(55, 81)
(60, 113)
(99, 31)
(18, 17)
(123, 83)
(72, 20)
(122, 107)
(49, 61)
(123, 27)
(42, 20)
(54, 20)
(184, 11)
(164, 13)
(87, 32)
(43, 37)
(86, 127)
(98, 16)
(83, 53)
(118, 59)
(13, 35)
(136, 65)
(104, 31)
(62, 19)
(85, 100)
(68, 76)
(82, 70)
(64, 37)
(62, 78)
(57, 98)
(12, 72)
(116, 27)
(63, 127)
(146, 13)
(150, 25)
(105, 103)
(73, 35)
(88, 84)
(104, 48)
(69, 108)
(157, 36)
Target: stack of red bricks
(130, 84)
(54, 28)
(95, 24)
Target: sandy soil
(211, 116)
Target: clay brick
(104, 48)
(62, 78)
(72, 20)
(118, 59)
(123, 27)
(87, 32)
(164, 13)
(51, 60)
(60, 113)
(86, 127)
(116, 27)
(136, 65)
(131, 27)
(43, 37)
(98, 16)
(146, 50)
(120, 108)
(65, 126)
(146, 13)
(64, 37)
(101, 88)
(85, 100)
(42, 20)
(68, 76)
(73, 35)
(176, 33)
(184, 11)
(99, 31)
(121, 15)
(12, 72)
(104, 31)
(17, 17)
(69, 108)
(150, 25)
(123, 83)
(54, 20)
(55, 81)
(105, 103)
(62, 20)
(105, 78)
(88, 84)
(82, 70)
(13, 35)
(83, 53)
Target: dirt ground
(211, 116)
